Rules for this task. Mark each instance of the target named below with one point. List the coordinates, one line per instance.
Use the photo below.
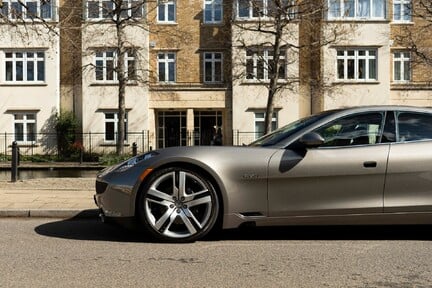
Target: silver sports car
(364, 165)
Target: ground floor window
(111, 127)
(208, 128)
(172, 129)
(25, 127)
(260, 123)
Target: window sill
(26, 84)
(410, 23)
(259, 20)
(34, 20)
(109, 20)
(261, 82)
(410, 86)
(358, 20)
(26, 145)
(168, 23)
(113, 144)
(212, 23)
(96, 84)
(354, 82)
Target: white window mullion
(24, 66)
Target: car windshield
(288, 130)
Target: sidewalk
(48, 197)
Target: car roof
(385, 108)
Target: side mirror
(311, 140)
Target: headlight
(135, 160)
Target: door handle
(370, 164)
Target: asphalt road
(86, 253)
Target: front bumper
(114, 200)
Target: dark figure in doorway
(217, 137)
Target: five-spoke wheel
(178, 205)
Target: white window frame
(356, 57)
(104, 13)
(166, 4)
(264, 12)
(213, 6)
(403, 15)
(401, 58)
(25, 61)
(260, 119)
(357, 10)
(166, 61)
(265, 58)
(115, 121)
(215, 58)
(24, 13)
(105, 58)
(26, 135)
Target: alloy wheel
(180, 204)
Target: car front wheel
(178, 205)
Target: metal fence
(93, 144)
(90, 144)
(245, 138)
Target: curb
(26, 213)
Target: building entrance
(208, 128)
(171, 129)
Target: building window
(402, 10)
(212, 67)
(25, 127)
(260, 123)
(166, 67)
(166, 11)
(357, 9)
(25, 66)
(357, 64)
(253, 9)
(259, 64)
(105, 66)
(213, 11)
(99, 9)
(103, 9)
(401, 66)
(111, 126)
(27, 9)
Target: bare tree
(282, 26)
(120, 15)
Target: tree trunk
(122, 81)
(273, 69)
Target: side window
(360, 129)
(414, 126)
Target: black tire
(178, 205)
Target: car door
(408, 186)
(343, 176)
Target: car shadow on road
(91, 228)
(352, 233)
